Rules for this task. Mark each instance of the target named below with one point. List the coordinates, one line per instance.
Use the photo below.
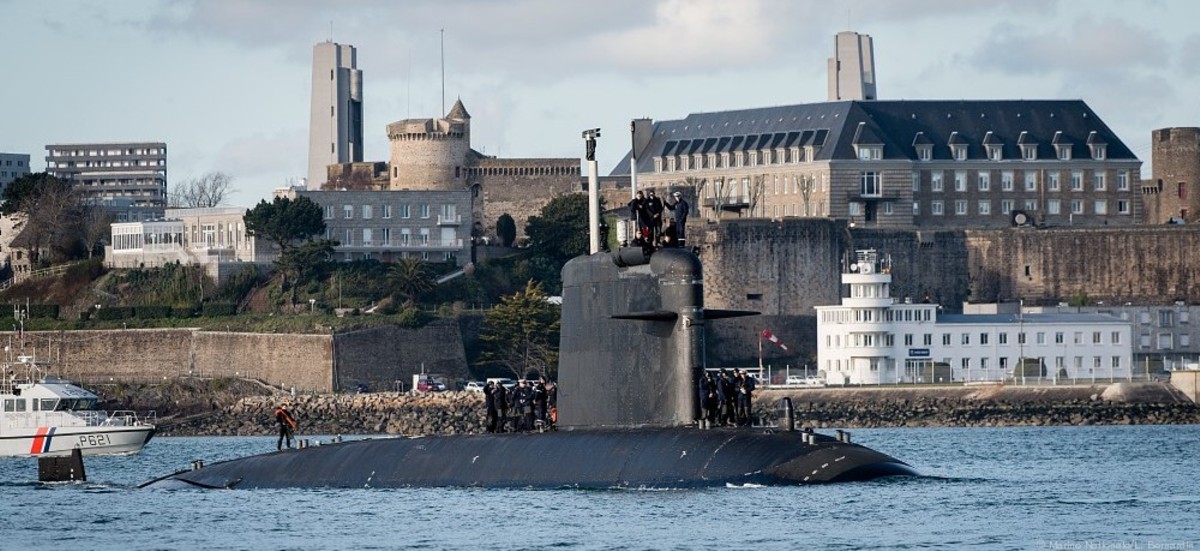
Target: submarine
(631, 354)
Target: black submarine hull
(600, 459)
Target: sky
(226, 83)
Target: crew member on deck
(287, 426)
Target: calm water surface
(986, 488)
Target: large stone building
(128, 178)
(12, 166)
(1172, 194)
(335, 130)
(435, 155)
(898, 163)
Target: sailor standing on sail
(287, 425)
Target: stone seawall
(463, 413)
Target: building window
(870, 184)
(1122, 207)
(925, 152)
(348, 212)
(1006, 180)
(854, 208)
(985, 181)
(367, 212)
(1059, 337)
(425, 210)
(1064, 152)
(995, 152)
(1098, 180)
(387, 211)
(1166, 318)
(1031, 205)
(1165, 341)
(1006, 206)
(1076, 206)
(985, 208)
(966, 339)
(936, 208)
(1099, 151)
(1052, 182)
(1030, 181)
(935, 180)
(1076, 180)
(349, 237)
(1002, 338)
(960, 180)
(1053, 206)
(1029, 152)
(916, 208)
(1123, 180)
(1101, 206)
(405, 211)
(927, 339)
(916, 182)
(888, 208)
(960, 207)
(960, 152)
(329, 212)
(945, 339)
(870, 153)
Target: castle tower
(335, 129)
(1175, 175)
(429, 154)
(852, 67)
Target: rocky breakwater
(984, 406)
(374, 413)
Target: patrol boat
(46, 416)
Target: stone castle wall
(1174, 186)
(306, 362)
(434, 162)
(520, 188)
(785, 268)
(380, 356)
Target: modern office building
(388, 225)
(335, 130)
(870, 338)
(129, 178)
(12, 166)
(852, 67)
(214, 238)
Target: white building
(215, 238)
(872, 339)
(127, 178)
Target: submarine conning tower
(632, 339)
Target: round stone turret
(428, 154)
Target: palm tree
(409, 277)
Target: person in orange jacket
(287, 425)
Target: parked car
(430, 385)
(475, 386)
(504, 382)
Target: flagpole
(760, 364)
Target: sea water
(1111, 487)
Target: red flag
(766, 334)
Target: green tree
(285, 221)
(506, 229)
(54, 215)
(556, 235)
(521, 333)
(305, 258)
(410, 277)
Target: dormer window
(1096, 145)
(925, 152)
(1029, 152)
(797, 155)
(752, 158)
(658, 162)
(698, 161)
(737, 159)
(684, 162)
(958, 147)
(671, 163)
(1062, 147)
(870, 152)
(712, 160)
(724, 160)
(995, 152)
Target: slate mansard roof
(832, 127)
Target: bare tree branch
(209, 190)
